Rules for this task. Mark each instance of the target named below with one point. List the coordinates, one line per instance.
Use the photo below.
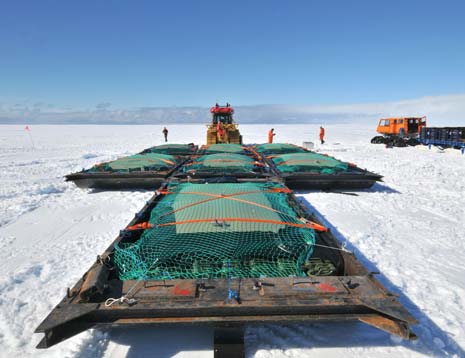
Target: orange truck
(399, 131)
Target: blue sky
(191, 53)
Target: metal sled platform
(310, 170)
(354, 179)
(194, 256)
(140, 171)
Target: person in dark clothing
(165, 133)
(322, 135)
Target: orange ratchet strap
(307, 225)
(228, 196)
(300, 161)
(141, 226)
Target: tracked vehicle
(222, 128)
(399, 131)
(225, 255)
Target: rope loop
(122, 300)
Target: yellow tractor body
(222, 128)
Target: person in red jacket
(322, 135)
(220, 132)
(271, 134)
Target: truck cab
(222, 114)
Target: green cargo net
(226, 162)
(309, 162)
(138, 162)
(173, 149)
(224, 148)
(219, 231)
(278, 148)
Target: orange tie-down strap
(137, 159)
(295, 160)
(306, 224)
(167, 161)
(228, 197)
(221, 221)
(225, 161)
(141, 226)
(271, 190)
(206, 146)
(252, 150)
(301, 161)
(170, 162)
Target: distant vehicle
(399, 131)
(223, 129)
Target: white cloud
(440, 110)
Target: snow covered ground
(411, 228)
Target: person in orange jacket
(322, 135)
(271, 134)
(220, 132)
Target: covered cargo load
(136, 163)
(219, 230)
(225, 148)
(278, 148)
(173, 149)
(137, 171)
(308, 162)
(312, 170)
(224, 164)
